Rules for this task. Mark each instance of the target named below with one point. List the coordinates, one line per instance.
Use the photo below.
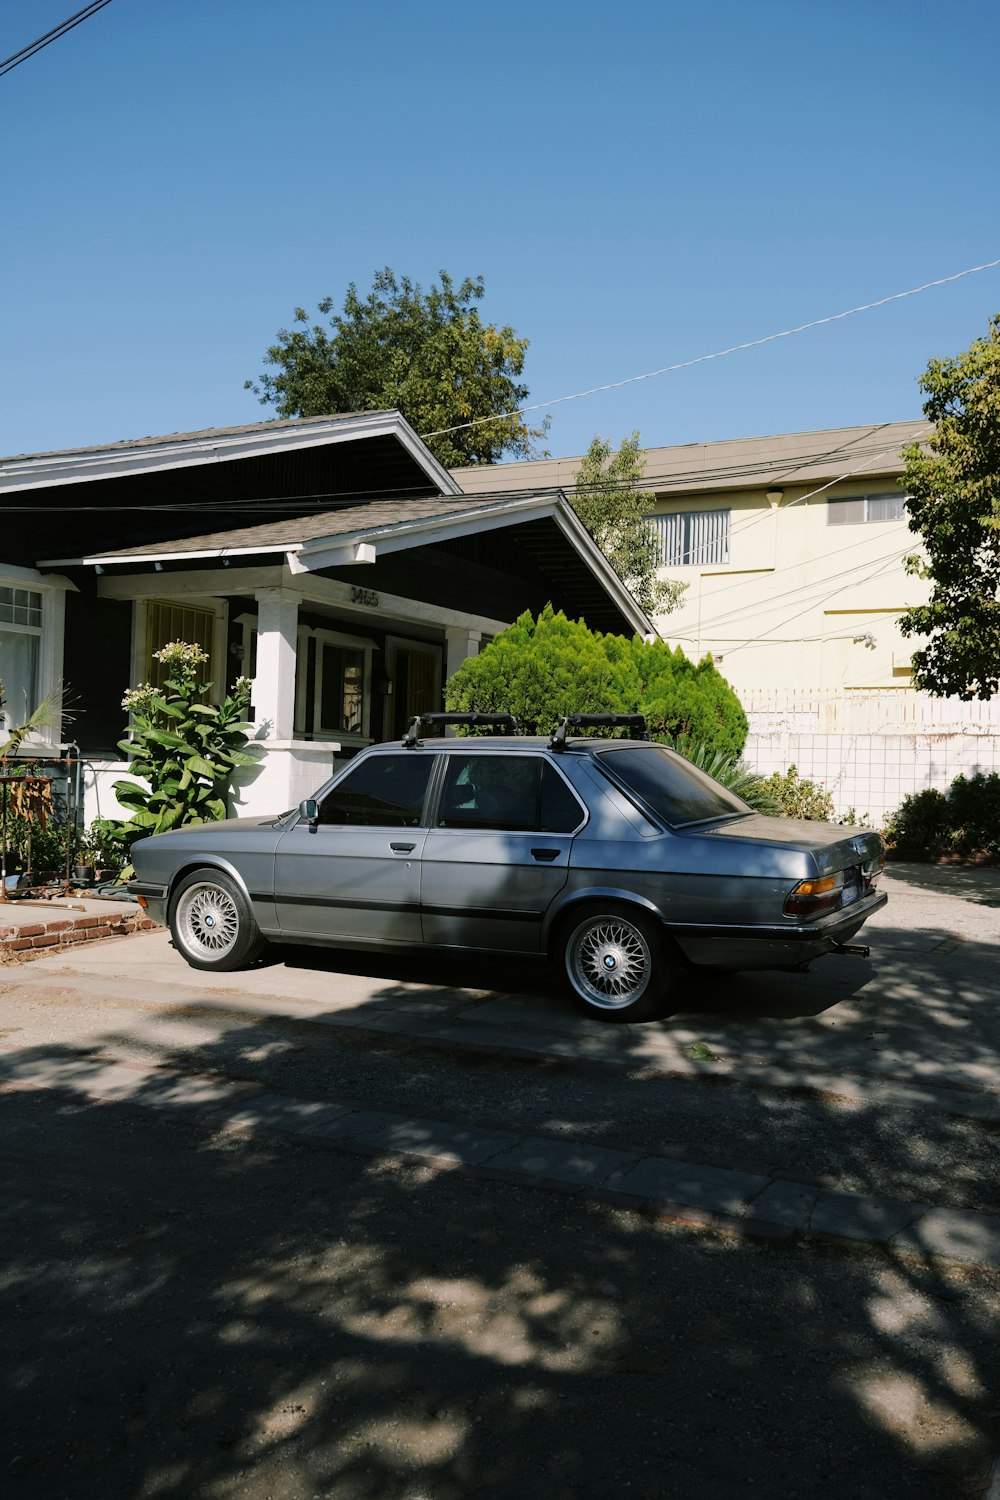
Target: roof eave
(46, 471)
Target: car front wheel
(211, 922)
(617, 964)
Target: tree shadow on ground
(192, 1314)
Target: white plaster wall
(870, 751)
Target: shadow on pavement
(193, 1315)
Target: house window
(332, 691)
(20, 646)
(861, 509)
(166, 622)
(692, 538)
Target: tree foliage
(611, 503)
(954, 503)
(540, 670)
(426, 354)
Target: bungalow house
(332, 560)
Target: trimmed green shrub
(540, 670)
(797, 797)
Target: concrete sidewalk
(707, 1197)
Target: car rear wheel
(211, 922)
(617, 964)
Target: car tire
(617, 963)
(211, 922)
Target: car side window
(509, 793)
(383, 791)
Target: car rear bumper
(787, 945)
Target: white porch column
(273, 693)
(462, 643)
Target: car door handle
(544, 854)
(402, 848)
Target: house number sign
(364, 596)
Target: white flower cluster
(242, 686)
(138, 697)
(181, 654)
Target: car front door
(355, 873)
(498, 854)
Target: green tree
(611, 503)
(953, 485)
(540, 670)
(426, 354)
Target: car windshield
(670, 786)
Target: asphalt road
(195, 1309)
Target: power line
(772, 467)
(760, 640)
(16, 58)
(706, 628)
(686, 364)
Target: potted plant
(84, 864)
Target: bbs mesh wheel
(211, 922)
(616, 964)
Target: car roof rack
(634, 723)
(420, 722)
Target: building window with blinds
(692, 538)
(860, 510)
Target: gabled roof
(212, 445)
(733, 464)
(545, 525)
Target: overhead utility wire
(851, 473)
(337, 499)
(10, 63)
(686, 364)
(806, 595)
(759, 640)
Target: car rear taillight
(871, 871)
(812, 897)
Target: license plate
(852, 887)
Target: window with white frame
(859, 510)
(692, 538)
(332, 684)
(20, 651)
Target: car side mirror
(309, 811)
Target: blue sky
(638, 184)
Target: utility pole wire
(701, 359)
(16, 58)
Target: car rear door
(497, 855)
(355, 874)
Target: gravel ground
(195, 1318)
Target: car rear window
(670, 786)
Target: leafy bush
(186, 750)
(797, 797)
(109, 843)
(974, 814)
(540, 670)
(920, 826)
(964, 821)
